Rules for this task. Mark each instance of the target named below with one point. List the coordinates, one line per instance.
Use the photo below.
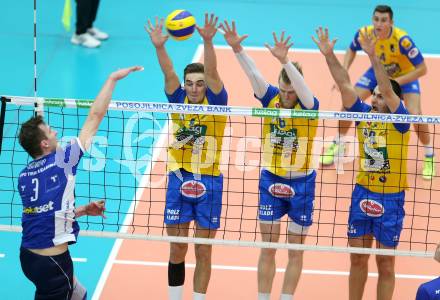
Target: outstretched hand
(367, 41)
(155, 32)
(208, 31)
(231, 36)
(96, 208)
(323, 42)
(122, 73)
(281, 47)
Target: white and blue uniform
(46, 187)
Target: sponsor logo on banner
(307, 114)
(58, 102)
(84, 103)
(372, 208)
(281, 190)
(265, 112)
(193, 189)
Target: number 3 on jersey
(35, 189)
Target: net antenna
(39, 108)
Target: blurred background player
(403, 62)
(195, 183)
(377, 204)
(287, 180)
(46, 187)
(86, 34)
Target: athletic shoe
(428, 168)
(328, 157)
(98, 34)
(85, 40)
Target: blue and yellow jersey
(398, 53)
(287, 142)
(197, 138)
(383, 149)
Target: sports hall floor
(137, 269)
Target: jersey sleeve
(217, 99)
(68, 158)
(355, 45)
(359, 106)
(422, 294)
(409, 49)
(271, 92)
(402, 127)
(177, 97)
(315, 104)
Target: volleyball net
(126, 165)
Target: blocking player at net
(377, 204)
(287, 180)
(46, 187)
(404, 63)
(195, 184)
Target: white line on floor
(254, 269)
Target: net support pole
(2, 119)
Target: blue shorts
(368, 81)
(197, 197)
(378, 214)
(280, 196)
(51, 275)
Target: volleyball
(180, 24)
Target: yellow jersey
(383, 149)
(197, 139)
(397, 53)
(287, 142)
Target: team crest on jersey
(193, 189)
(406, 43)
(383, 179)
(281, 190)
(372, 208)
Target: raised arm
(368, 45)
(279, 51)
(100, 106)
(259, 84)
(349, 57)
(339, 73)
(207, 32)
(159, 40)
